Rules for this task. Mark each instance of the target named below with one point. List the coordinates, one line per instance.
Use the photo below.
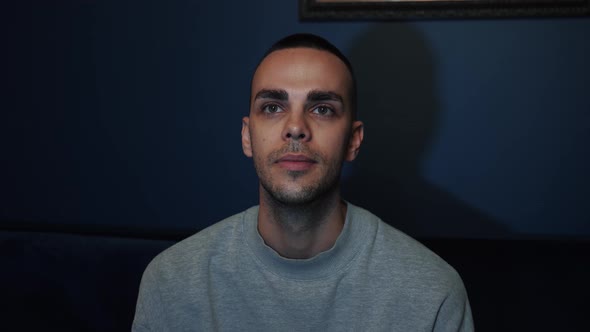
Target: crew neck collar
(324, 264)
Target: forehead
(302, 69)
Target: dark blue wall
(474, 128)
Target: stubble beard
(304, 194)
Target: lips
(296, 162)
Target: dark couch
(58, 281)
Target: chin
(291, 198)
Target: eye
(271, 108)
(323, 110)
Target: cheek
(260, 145)
(261, 134)
(333, 146)
(266, 137)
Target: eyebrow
(312, 96)
(315, 96)
(272, 94)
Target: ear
(356, 138)
(246, 144)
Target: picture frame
(326, 10)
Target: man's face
(300, 127)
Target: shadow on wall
(398, 105)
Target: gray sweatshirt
(374, 278)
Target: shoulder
(403, 257)
(212, 243)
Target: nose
(296, 128)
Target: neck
(303, 230)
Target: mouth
(296, 162)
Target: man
(303, 259)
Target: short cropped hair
(308, 40)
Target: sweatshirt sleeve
(455, 312)
(148, 310)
